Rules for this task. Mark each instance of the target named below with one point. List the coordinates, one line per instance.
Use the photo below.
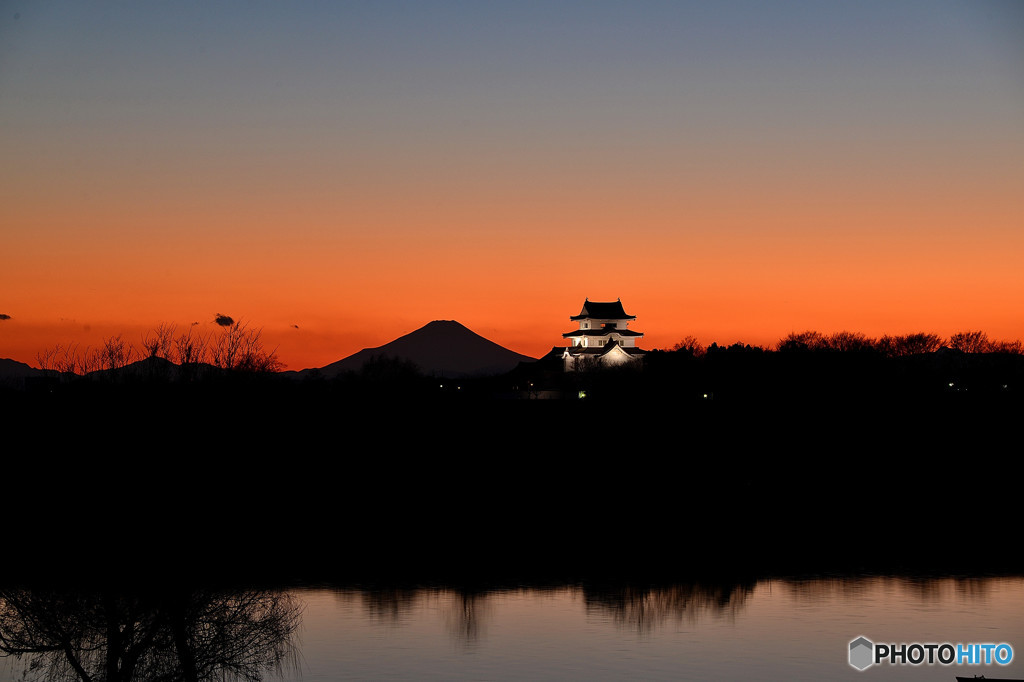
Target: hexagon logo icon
(862, 652)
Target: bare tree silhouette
(1014, 347)
(850, 342)
(159, 342)
(909, 344)
(691, 345)
(116, 353)
(114, 637)
(191, 348)
(970, 342)
(240, 348)
(808, 340)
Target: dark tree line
(899, 345)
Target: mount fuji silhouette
(439, 348)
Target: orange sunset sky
(342, 173)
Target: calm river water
(764, 630)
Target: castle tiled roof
(610, 310)
(604, 331)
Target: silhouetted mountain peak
(441, 327)
(440, 347)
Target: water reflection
(643, 609)
(390, 605)
(922, 589)
(200, 635)
(465, 611)
(466, 615)
(501, 631)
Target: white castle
(603, 338)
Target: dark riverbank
(257, 478)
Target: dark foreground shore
(262, 481)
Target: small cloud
(5, 316)
(223, 320)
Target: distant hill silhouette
(14, 374)
(155, 368)
(440, 348)
(14, 369)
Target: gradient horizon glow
(342, 173)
